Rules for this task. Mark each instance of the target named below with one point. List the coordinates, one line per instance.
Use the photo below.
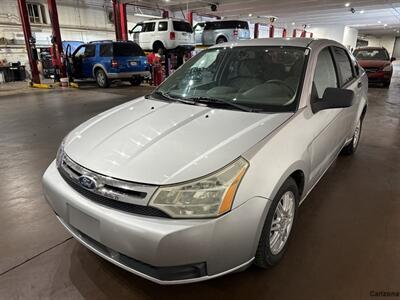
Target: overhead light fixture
(147, 16)
(362, 11)
(293, 23)
(347, 4)
(379, 22)
(385, 25)
(250, 15)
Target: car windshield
(127, 49)
(371, 54)
(247, 78)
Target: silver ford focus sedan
(205, 175)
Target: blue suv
(106, 61)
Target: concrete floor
(346, 243)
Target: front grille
(113, 193)
(371, 70)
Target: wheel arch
(157, 42)
(221, 35)
(96, 67)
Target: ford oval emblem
(87, 182)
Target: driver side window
(325, 74)
(80, 53)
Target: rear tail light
(114, 63)
(235, 32)
(172, 35)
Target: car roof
(293, 42)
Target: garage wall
(350, 37)
(79, 20)
(383, 41)
(333, 32)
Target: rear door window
(127, 49)
(162, 26)
(149, 27)
(90, 50)
(344, 65)
(234, 25)
(106, 50)
(182, 26)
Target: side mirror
(333, 98)
(392, 59)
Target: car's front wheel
(278, 225)
(353, 145)
(101, 79)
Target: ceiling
(370, 16)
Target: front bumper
(165, 251)
(379, 76)
(128, 75)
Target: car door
(146, 37)
(348, 80)
(198, 33)
(77, 61)
(88, 61)
(326, 124)
(136, 32)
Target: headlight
(209, 196)
(387, 68)
(60, 153)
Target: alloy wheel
(282, 222)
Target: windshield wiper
(168, 97)
(221, 101)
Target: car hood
(373, 63)
(155, 142)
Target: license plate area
(133, 63)
(84, 223)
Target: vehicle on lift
(204, 176)
(168, 34)
(377, 62)
(106, 61)
(216, 32)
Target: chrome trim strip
(77, 236)
(135, 193)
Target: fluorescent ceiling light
(147, 16)
(347, 4)
(250, 15)
(362, 11)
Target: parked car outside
(168, 34)
(205, 175)
(377, 63)
(106, 61)
(217, 32)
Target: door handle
(359, 84)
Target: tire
(351, 148)
(157, 46)
(268, 253)
(136, 81)
(102, 79)
(386, 84)
(221, 39)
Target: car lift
(271, 32)
(30, 41)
